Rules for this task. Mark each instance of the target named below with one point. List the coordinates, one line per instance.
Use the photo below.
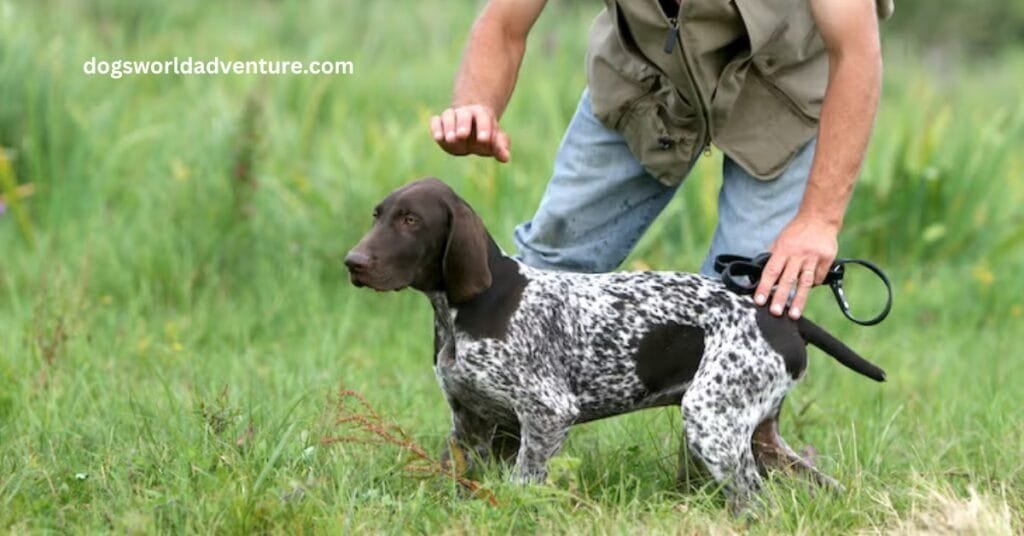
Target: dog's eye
(410, 220)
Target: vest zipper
(671, 38)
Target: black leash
(734, 268)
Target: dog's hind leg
(720, 416)
(772, 453)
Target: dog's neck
(444, 327)
(446, 312)
(485, 315)
(503, 269)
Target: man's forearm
(484, 83)
(804, 250)
(489, 67)
(847, 118)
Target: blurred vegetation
(174, 314)
(979, 27)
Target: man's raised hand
(471, 129)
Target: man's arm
(807, 246)
(486, 79)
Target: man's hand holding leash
(806, 248)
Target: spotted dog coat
(523, 354)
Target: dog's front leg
(543, 428)
(469, 441)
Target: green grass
(174, 330)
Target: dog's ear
(464, 267)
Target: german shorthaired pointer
(523, 354)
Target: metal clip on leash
(734, 268)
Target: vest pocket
(628, 95)
(661, 134)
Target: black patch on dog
(783, 336)
(669, 355)
(487, 314)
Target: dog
(523, 354)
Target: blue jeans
(600, 201)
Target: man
(787, 89)
(757, 72)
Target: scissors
(743, 274)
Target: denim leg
(597, 205)
(752, 212)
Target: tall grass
(173, 331)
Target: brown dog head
(426, 237)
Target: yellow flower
(106, 299)
(180, 170)
(301, 183)
(640, 265)
(1017, 310)
(171, 330)
(983, 275)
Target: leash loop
(743, 274)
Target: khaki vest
(746, 75)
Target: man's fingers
(482, 141)
(470, 130)
(484, 125)
(804, 283)
(448, 125)
(821, 271)
(502, 146)
(769, 276)
(463, 123)
(787, 281)
(435, 128)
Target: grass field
(175, 322)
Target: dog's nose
(357, 261)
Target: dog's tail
(832, 346)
